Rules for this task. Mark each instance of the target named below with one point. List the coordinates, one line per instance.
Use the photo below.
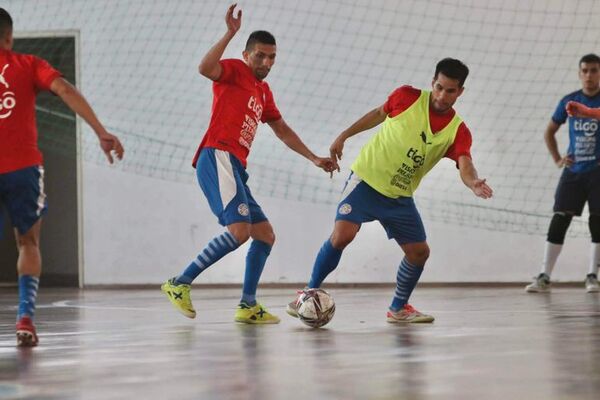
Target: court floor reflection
(491, 343)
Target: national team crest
(243, 210)
(345, 209)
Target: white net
(337, 60)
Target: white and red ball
(315, 307)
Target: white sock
(594, 258)
(551, 252)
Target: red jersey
(22, 77)
(405, 96)
(240, 102)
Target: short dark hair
(6, 23)
(259, 37)
(589, 59)
(452, 68)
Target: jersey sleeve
(230, 68)
(462, 144)
(270, 111)
(560, 114)
(43, 74)
(400, 100)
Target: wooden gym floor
(486, 343)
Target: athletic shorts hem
(24, 227)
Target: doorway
(58, 140)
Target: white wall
(145, 219)
(140, 230)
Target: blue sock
(255, 263)
(327, 259)
(406, 280)
(213, 252)
(28, 287)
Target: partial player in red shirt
(241, 101)
(22, 76)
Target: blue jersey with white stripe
(584, 140)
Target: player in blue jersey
(580, 179)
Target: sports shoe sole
(537, 290)
(416, 320)
(256, 322)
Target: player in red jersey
(241, 101)
(22, 76)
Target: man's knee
(420, 256)
(268, 237)
(263, 231)
(340, 238)
(417, 254)
(558, 227)
(240, 231)
(29, 239)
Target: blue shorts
(222, 178)
(22, 194)
(399, 217)
(575, 189)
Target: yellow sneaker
(179, 296)
(254, 315)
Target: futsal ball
(315, 307)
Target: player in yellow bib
(418, 128)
